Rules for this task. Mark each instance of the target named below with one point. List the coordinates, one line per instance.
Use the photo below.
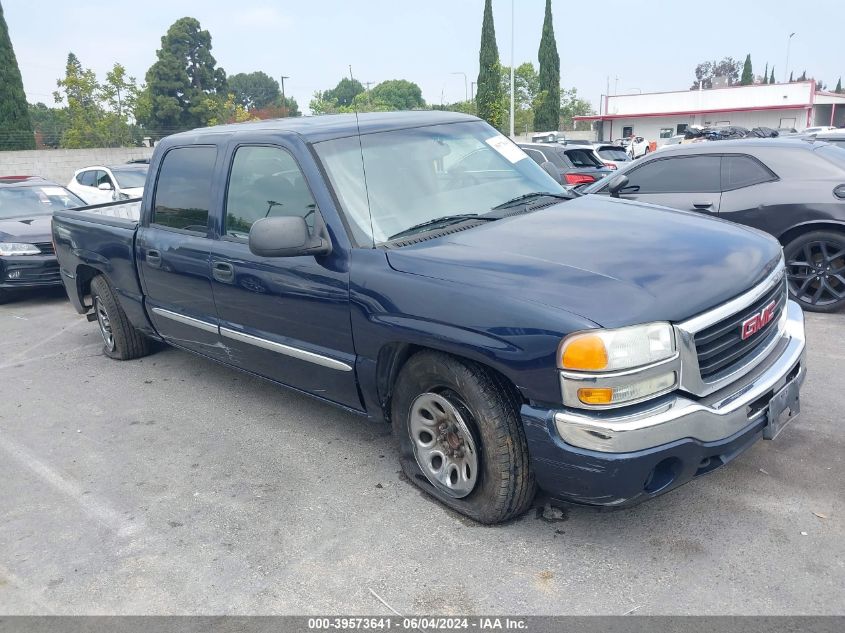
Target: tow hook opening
(662, 475)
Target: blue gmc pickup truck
(419, 269)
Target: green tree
(15, 124)
(256, 90)
(186, 88)
(547, 111)
(488, 97)
(344, 92)
(705, 72)
(772, 76)
(396, 94)
(747, 73)
(571, 105)
(48, 123)
(765, 78)
(838, 88)
(79, 89)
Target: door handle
(154, 258)
(703, 206)
(223, 272)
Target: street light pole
(512, 62)
(466, 94)
(284, 100)
(786, 68)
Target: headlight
(607, 368)
(14, 248)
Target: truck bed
(100, 239)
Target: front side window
(682, 174)
(183, 190)
(102, 178)
(416, 175)
(265, 182)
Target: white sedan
(99, 184)
(638, 147)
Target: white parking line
(44, 341)
(101, 512)
(26, 361)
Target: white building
(660, 115)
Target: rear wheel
(121, 340)
(815, 265)
(461, 437)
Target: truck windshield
(392, 181)
(17, 202)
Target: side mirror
(552, 171)
(285, 236)
(104, 186)
(617, 184)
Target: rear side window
(743, 171)
(183, 191)
(86, 178)
(582, 158)
(683, 174)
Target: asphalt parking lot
(172, 485)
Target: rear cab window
(183, 189)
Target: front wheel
(461, 438)
(815, 265)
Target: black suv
(792, 189)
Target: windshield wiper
(436, 223)
(531, 196)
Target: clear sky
(649, 45)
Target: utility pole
(512, 62)
(368, 84)
(284, 101)
(786, 68)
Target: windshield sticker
(54, 191)
(506, 148)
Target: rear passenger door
(285, 318)
(173, 251)
(690, 183)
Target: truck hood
(27, 229)
(613, 262)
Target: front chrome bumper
(676, 416)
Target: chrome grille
(720, 347)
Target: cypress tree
(747, 73)
(772, 76)
(766, 74)
(489, 98)
(791, 80)
(547, 114)
(15, 124)
(838, 86)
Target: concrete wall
(58, 165)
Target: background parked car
(817, 129)
(27, 259)
(577, 165)
(834, 137)
(672, 140)
(612, 156)
(790, 188)
(100, 184)
(638, 147)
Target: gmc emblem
(757, 322)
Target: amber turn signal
(586, 353)
(595, 396)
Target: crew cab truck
(418, 268)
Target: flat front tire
(460, 437)
(121, 340)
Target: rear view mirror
(104, 186)
(285, 236)
(617, 184)
(552, 171)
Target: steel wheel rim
(443, 445)
(817, 272)
(105, 325)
